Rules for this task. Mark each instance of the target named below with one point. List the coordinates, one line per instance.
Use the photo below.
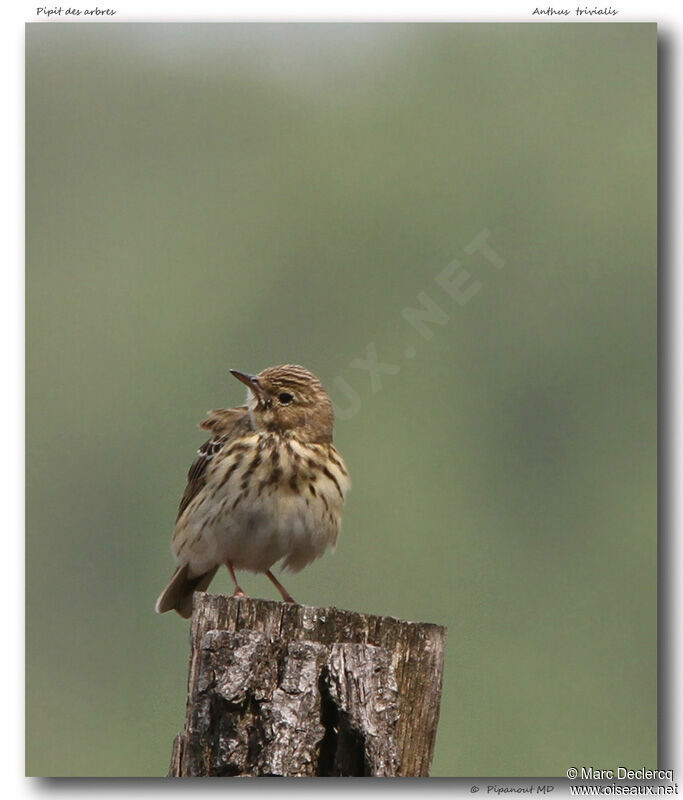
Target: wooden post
(288, 690)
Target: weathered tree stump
(287, 690)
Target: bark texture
(285, 690)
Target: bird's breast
(270, 497)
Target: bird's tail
(177, 596)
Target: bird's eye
(285, 398)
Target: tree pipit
(268, 486)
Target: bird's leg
(286, 596)
(239, 592)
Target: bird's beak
(249, 380)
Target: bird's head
(289, 398)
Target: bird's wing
(225, 432)
(223, 420)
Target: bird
(267, 487)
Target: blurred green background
(201, 197)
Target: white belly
(274, 527)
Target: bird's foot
(286, 596)
(240, 593)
